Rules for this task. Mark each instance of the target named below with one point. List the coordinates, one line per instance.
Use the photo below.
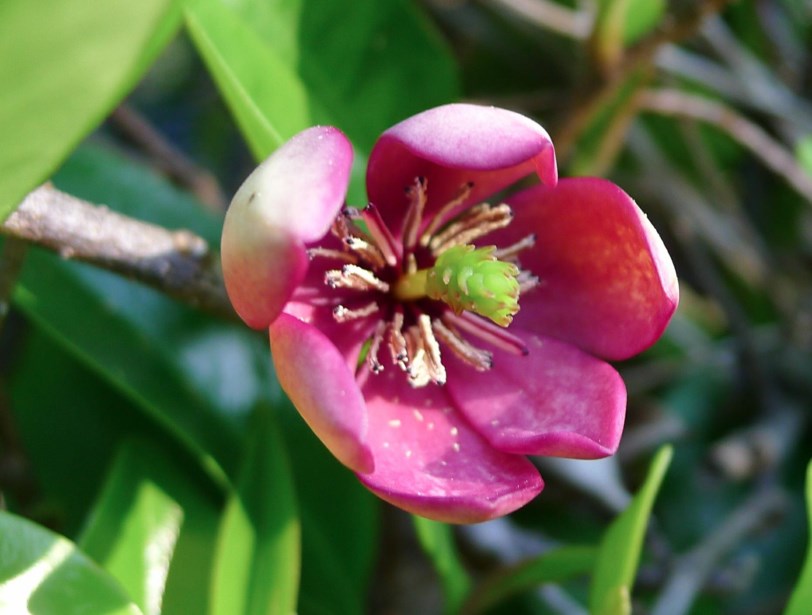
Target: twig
(178, 263)
(693, 569)
(169, 158)
(549, 15)
(774, 156)
(601, 92)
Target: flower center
(431, 288)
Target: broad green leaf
(256, 570)
(622, 543)
(437, 540)
(339, 524)
(264, 95)
(134, 527)
(66, 64)
(42, 572)
(802, 594)
(553, 566)
(360, 71)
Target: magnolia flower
(433, 340)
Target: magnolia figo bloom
(436, 337)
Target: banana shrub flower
(433, 340)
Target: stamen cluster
(430, 286)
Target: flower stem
(411, 287)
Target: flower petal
(315, 376)
(429, 461)
(556, 401)
(290, 199)
(452, 145)
(607, 282)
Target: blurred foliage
(149, 462)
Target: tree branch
(177, 263)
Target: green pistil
(467, 278)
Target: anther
(439, 218)
(527, 281)
(512, 251)
(479, 359)
(470, 226)
(486, 331)
(391, 249)
(334, 254)
(372, 354)
(355, 278)
(366, 250)
(414, 215)
(344, 314)
(397, 341)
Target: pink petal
(290, 199)
(429, 461)
(556, 401)
(451, 145)
(607, 282)
(315, 376)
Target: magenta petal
(317, 380)
(607, 282)
(452, 145)
(556, 401)
(429, 461)
(290, 199)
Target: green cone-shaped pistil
(468, 278)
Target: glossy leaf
(802, 593)
(554, 566)
(256, 569)
(381, 50)
(264, 95)
(134, 527)
(437, 540)
(66, 65)
(42, 572)
(622, 543)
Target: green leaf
(256, 569)
(67, 63)
(622, 543)
(360, 71)
(266, 98)
(135, 525)
(551, 567)
(42, 572)
(437, 540)
(802, 594)
(339, 547)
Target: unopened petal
(555, 401)
(315, 376)
(289, 200)
(450, 146)
(429, 461)
(607, 283)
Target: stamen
(429, 342)
(344, 314)
(511, 252)
(479, 359)
(397, 342)
(527, 281)
(372, 354)
(391, 249)
(486, 331)
(334, 254)
(418, 370)
(414, 215)
(472, 225)
(439, 218)
(354, 277)
(367, 251)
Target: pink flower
(434, 406)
